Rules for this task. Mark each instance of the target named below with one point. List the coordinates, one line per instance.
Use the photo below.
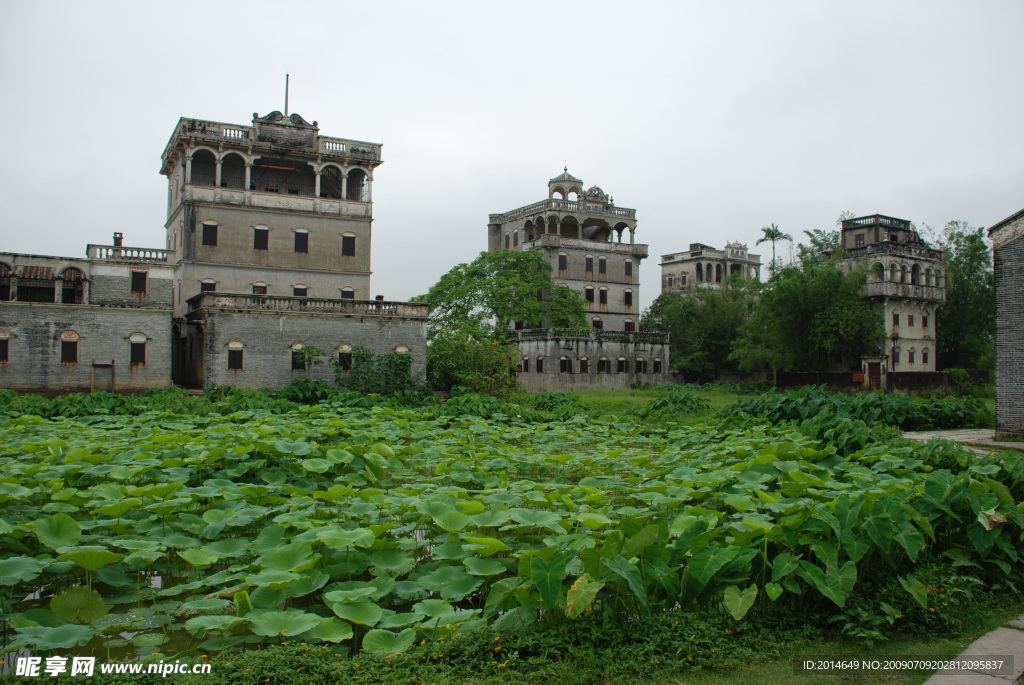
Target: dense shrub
(677, 401)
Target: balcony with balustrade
(304, 305)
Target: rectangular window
(68, 351)
(910, 357)
(910, 320)
(235, 360)
(261, 239)
(603, 296)
(348, 294)
(604, 366)
(584, 366)
(297, 361)
(602, 266)
(630, 327)
(563, 262)
(657, 366)
(895, 356)
(588, 295)
(629, 298)
(622, 366)
(137, 353)
(210, 235)
(299, 292)
(348, 246)
(564, 366)
(924, 356)
(590, 264)
(302, 242)
(345, 361)
(515, 239)
(5, 350)
(540, 365)
(526, 364)
(684, 279)
(138, 281)
(629, 268)
(895, 319)
(207, 287)
(259, 290)
(924, 321)
(506, 241)
(859, 240)
(641, 365)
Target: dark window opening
(629, 269)
(628, 297)
(207, 287)
(137, 353)
(301, 242)
(348, 246)
(590, 264)
(924, 357)
(5, 350)
(910, 357)
(259, 290)
(36, 290)
(598, 324)
(588, 294)
(235, 360)
(604, 366)
(640, 365)
(924, 321)
(622, 366)
(895, 319)
(526, 365)
(210, 235)
(540, 365)
(68, 351)
(345, 361)
(858, 240)
(602, 266)
(299, 292)
(330, 183)
(584, 366)
(910, 320)
(630, 327)
(603, 299)
(657, 366)
(563, 262)
(506, 241)
(515, 238)
(261, 239)
(138, 281)
(564, 366)
(348, 294)
(298, 363)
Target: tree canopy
(773, 234)
(965, 324)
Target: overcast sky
(711, 119)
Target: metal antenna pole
(286, 94)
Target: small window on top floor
(525, 366)
(301, 241)
(207, 286)
(348, 245)
(590, 264)
(564, 365)
(299, 291)
(657, 366)
(563, 261)
(622, 366)
(210, 235)
(858, 240)
(602, 266)
(584, 365)
(261, 239)
(895, 319)
(259, 288)
(348, 294)
(910, 320)
(628, 266)
(69, 348)
(138, 281)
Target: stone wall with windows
(58, 348)
(254, 348)
(1008, 251)
(563, 360)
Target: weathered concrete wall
(111, 285)
(34, 334)
(1009, 267)
(591, 349)
(268, 337)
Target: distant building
(907, 277)
(580, 234)
(1008, 259)
(705, 266)
(267, 252)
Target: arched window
(627, 299)
(564, 365)
(916, 275)
(204, 168)
(298, 359)
(588, 262)
(940, 279)
(207, 285)
(235, 350)
(894, 273)
(348, 293)
(540, 364)
(629, 326)
(588, 294)
(137, 349)
(5, 346)
(302, 240)
(515, 238)
(905, 274)
(300, 290)
(259, 288)
(232, 172)
(330, 182)
(508, 241)
(402, 349)
(602, 297)
(622, 366)
(657, 365)
(357, 188)
(924, 356)
(563, 262)
(584, 365)
(345, 357)
(72, 286)
(597, 323)
(6, 271)
(718, 273)
(604, 365)
(700, 272)
(348, 244)
(524, 367)
(69, 347)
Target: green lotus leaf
(275, 580)
(316, 465)
(738, 603)
(340, 538)
(433, 607)
(386, 642)
(91, 560)
(198, 557)
(16, 570)
(363, 613)
(79, 605)
(154, 639)
(228, 547)
(394, 562)
(120, 508)
(289, 623)
(57, 531)
(295, 557)
(400, 620)
(478, 566)
(330, 629)
(60, 637)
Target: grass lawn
(618, 402)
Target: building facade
(707, 267)
(581, 236)
(907, 277)
(1008, 261)
(72, 324)
(268, 236)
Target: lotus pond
(377, 528)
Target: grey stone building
(581, 236)
(907, 277)
(70, 325)
(275, 219)
(1008, 260)
(707, 267)
(268, 251)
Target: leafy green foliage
(965, 324)
(676, 401)
(385, 374)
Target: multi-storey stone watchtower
(273, 208)
(907, 277)
(581, 235)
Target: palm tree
(773, 234)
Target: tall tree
(810, 318)
(473, 307)
(965, 324)
(774, 234)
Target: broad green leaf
(119, 508)
(386, 642)
(538, 518)
(57, 531)
(592, 520)
(79, 605)
(773, 590)
(330, 629)
(483, 567)
(547, 577)
(501, 592)
(581, 595)
(739, 603)
(482, 545)
(363, 613)
(200, 625)
(393, 562)
(91, 560)
(703, 565)
(198, 557)
(340, 538)
(784, 564)
(916, 589)
(16, 570)
(288, 623)
(60, 637)
(316, 465)
(434, 607)
(295, 557)
(631, 574)
(638, 543)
